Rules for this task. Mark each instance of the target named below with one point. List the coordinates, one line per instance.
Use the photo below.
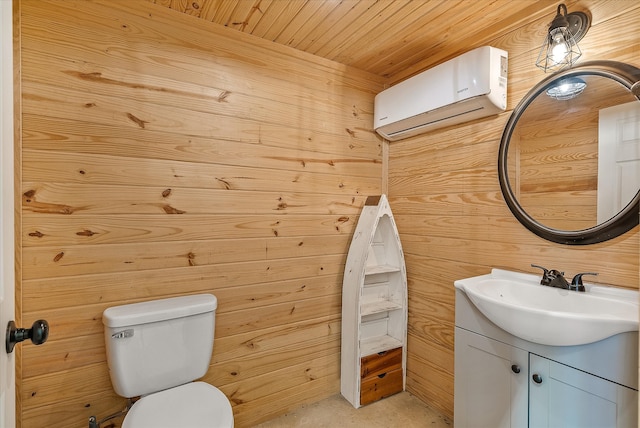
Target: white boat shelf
(374, 308)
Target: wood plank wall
(453, 221)
(164, 155)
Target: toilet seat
(192, 405)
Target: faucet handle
(546, 271)
(576, 282)
(545, 274)
(548, 276)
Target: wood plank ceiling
(389, 38)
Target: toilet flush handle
(38, 333)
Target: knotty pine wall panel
(453, 221)
(163, 155)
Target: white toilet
(156, 350)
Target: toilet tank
(159, 344)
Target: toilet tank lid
(158, 310)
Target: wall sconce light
(560, 48)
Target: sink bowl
(518, 304)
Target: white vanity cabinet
(488, 375)
(561, 393)
(504, 381)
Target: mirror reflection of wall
(554, 166)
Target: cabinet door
(561, 396)
(490, 383)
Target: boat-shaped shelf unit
(374, 308)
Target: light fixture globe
(560, 48)
(567, 88)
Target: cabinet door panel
(567, 397)
(489, 393)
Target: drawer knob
(537, 378)
(515, 368)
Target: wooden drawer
(382, 362)
(378, 387)
(380, 375)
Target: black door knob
(38, 333)
(537, 378)
(515, 368)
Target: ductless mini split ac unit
(468, 87)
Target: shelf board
(377, 306)
(373, 270)
(377, 344)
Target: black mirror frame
(625, 220)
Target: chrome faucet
(555, 278)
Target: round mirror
(569, 159)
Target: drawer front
(375, 388)
(382, 362)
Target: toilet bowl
(157, 350)
(195, 404)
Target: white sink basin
(518, 304)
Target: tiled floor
(401, 410)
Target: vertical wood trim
(17, 185)
(385, 167)
(7, 223)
